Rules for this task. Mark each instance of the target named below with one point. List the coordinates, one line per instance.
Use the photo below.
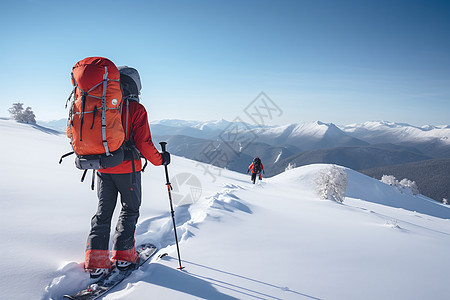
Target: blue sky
(335, 61)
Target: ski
(100, 288)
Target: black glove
(248, 171)
(165, 158)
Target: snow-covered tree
(389, 179)
(409, 184)
(332, 184)
(16, 111)
(19, 114)
(405, 185)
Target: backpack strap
(83, 103)
(93, 179)
(93, 117)
(65, 155)
(72, 93)
(127, 136)
(84, 175)
(145, 164)
(129, 143)
(105, 84)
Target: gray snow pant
(108, 187)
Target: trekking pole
(169, 188)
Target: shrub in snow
(332, 184)
(409, 184)
(19, 114)
(290, 166)
(28, 116)
(405, 185)
(389, 179)
(392, 223)
(16, 111)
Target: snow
(315, 130)
(373, 132)
(390, 132)
(272, 240)
(278, 157)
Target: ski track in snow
(159, 231)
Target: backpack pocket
(100, 161)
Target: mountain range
(233, 145)
(358, 146)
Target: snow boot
(97, 273)
(126, 265)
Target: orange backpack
(95, 123)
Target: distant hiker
(100, 108)
(257, 168)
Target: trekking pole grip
(163, 146)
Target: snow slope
(273, 240)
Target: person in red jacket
(257, 168)
(126, 180)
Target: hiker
(125, 179)
(257, 168)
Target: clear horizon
(44, 122)
(342, 63)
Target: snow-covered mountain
(200, 125)
(272, 240)
(233, 145)
(59, 125)
(307, 136)
(198, 129)
(427, 140)
(371, 144)
(389, 132)
(239, 142)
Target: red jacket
(138, 126)
(252, 168)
